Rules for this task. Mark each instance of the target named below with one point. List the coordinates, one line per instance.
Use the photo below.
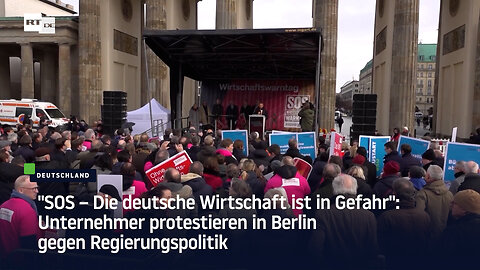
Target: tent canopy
(141, 116)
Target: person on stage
(260, 110)
(232, 115)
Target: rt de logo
(35, 22)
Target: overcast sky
(355, 26)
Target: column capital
(64, 43)
(25, 43)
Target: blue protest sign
(419, 146)
(237, 135)
(377, 152)
(306, 144)
(456, 152)
(364, 141)
(282, 140)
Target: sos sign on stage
(282, 99)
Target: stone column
(5, 92)
(226, 14)
(27, 71)
(90, 80)
(404, 63)
(476, 87)
(64, 79)
(326, 18)
(47, 77)
(156, 19)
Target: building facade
(34, 65)
(348, 90)
(365, 79)
(424, 94)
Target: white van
(13, 111)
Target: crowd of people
(430, 225)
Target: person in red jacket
(211, 173)
(293, 183)
(19, 218)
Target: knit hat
(468, 200)
(429, 155)
(391, 168)
(111, 191)
(359, 159)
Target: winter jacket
(87, 159)
(50, 188)
(408, 161)
(384, 187)
(26, 152)
(435, 199)
(392, 156)
(260, 157)
(293, 183)
(213, 180)
(371, 174)
(294, 152)
(459, 178)
(238, 154)
(435, 162)
(229, 158)
(183, 191)
(194, 117)
(472, 181)
(306, 119)
(193, 152)
(363, 188)
(398, 230)
(255, 184)
(198, 185)
(418, 183)
(460, 243)
(315, 178)
(345, 231)
(8, 174)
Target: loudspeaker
(114, 110)
(364, 115)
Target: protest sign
(456, 152)
(454, 134)
(335, 144)
(377, 152)
(303, 168)
(237, 135)
(419, 146)
(307, 144)
(117, 182)
(180, 161)
(364, 141)
(282, 140)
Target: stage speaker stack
(364, 115)
(114, 110)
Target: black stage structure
(237, 54)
